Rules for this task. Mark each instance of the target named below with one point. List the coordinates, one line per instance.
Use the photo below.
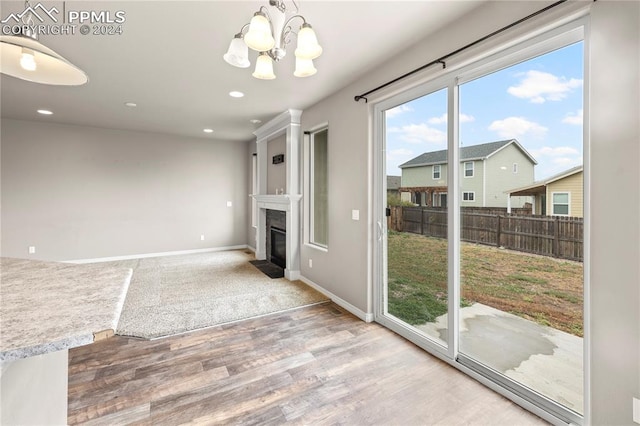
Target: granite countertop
(50, 306)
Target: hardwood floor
(315, 365)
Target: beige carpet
(174, 294)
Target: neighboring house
(393, 185)
(486, 172)
(559, 195)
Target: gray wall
(615, 210)
(79, 192)
(615, 195)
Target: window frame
(473, 169)
(310, 235)
(554, 204)
(515, 168)
(433, 172)
(471, 199)
(254, 190)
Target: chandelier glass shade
(268, 33)
(264, 67)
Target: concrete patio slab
(547, 360)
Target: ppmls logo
(41, 20)
(38, 12)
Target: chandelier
(269, 32)
(24, 57)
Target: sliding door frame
(533, 46)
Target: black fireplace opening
(279, 247)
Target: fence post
(422, 221)
(498, 232)
(556, 237)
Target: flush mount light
(24, 57)
(44, 112)
(268, 33)
(236, 94)
(255, 121)
(130, 104)
(207, 130)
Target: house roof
(393, 182)
(467, 153)
(539, 187)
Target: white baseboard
(166, 253)
(364, 316)
(251, 248)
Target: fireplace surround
(288, 203)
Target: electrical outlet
(355, 214)
(636, 410)
(202, 237)
(310, 263)
(32, 250)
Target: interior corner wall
(614, 116)
(76, 192)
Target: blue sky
(537, 102)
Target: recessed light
(44, 112)
(236, 94)
(255, 121)
(207, 130)
(131, 104)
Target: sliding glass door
(480, 204)
(417, 278)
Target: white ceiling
(169, 61)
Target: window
(468, 169)
(515, 168)
(436, 171)
(440, 199)
(318, 185)
(468, 196)
(560, 204)
(254, 190)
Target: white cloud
(400, 109)
(539, 87)
(558, 151)
(553, 160)
(464, 118)
(573, 118)
(438, 120)
(514, 127)
(400, 152)
(420, 133)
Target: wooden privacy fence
(555, 236)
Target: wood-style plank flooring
(315, 365)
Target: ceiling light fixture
(24, 57)
(207, 130)
(44, 112)
(268, 33)
(130, 104)
(236, 94)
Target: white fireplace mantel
(277, 202)
(288, 124)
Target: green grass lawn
(542, 289)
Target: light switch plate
(355, 214)
(229, 203)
